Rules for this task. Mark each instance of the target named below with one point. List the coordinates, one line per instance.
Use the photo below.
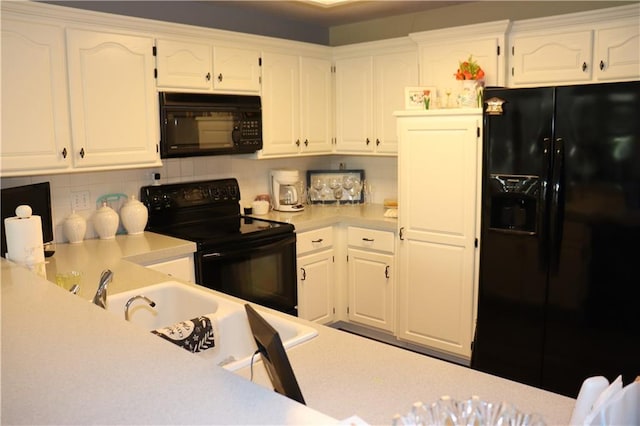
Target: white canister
(260, 207)
(134, 216)
(106, 221)
(74, 227)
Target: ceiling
(339, 14)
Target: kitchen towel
(194, 335)
(24, 237)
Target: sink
(177, 302)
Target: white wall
(252, 176)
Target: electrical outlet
(80, 200)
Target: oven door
(262, 271)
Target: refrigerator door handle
(556, 217)
(543, 209)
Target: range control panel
(191, 194)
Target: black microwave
(195, 124)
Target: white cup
(260, 207)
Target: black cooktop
(224, 231)
(205, 212)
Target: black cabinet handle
(386, 272)
(304, 274)
(401, 234)
(306, 142)
(368, 141)
(220, 77)
(319, 240)
(64, 152)
(369, 240)
(584, 66)
(208, 76)
(297, 142)
(81, 152)
(377, 142)
(601, 65)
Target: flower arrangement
(469, 70)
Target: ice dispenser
(514, 202)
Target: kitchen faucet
(100, 298)
(134, 298)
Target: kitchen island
(66, 361)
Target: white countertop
(317, 215)
(66, 361)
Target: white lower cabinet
(316, 275)
(371, 280)
(439, 191)
(180, 267)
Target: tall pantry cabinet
(439, 166)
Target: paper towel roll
(24, 237)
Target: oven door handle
(250, 248)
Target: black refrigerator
(559, 285)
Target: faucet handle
(100, 298)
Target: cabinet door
(35, 109)
(181, 268)
(315, 105)
(438, 183)
(184, 65)
(354, 91)
(552, 58)
(280, 104)
(114, 106)
(617, 53)
(236, 69)
(440, 62)
(315, 293)
(371, 288)
(392, 73)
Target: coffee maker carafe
(284, 191)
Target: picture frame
(414, 97)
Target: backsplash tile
(252, 176)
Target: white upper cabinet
(296, 105)
(551, 57)
(185, 65)
(196, 65)
(441, 51)
(588, 47)
(236, 69)
(368, 89)
(316, 105)
(114, 106)
(35, 109)
(617, 52)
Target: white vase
(74, 228)
(106, 221)
(134, 216)
(468, 97)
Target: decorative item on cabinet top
(472, 77)
(331, 186)
(419, 97)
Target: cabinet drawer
(314, 240)
(372, 239)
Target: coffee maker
(284, 191)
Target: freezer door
(593, 318)
(512, 289)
